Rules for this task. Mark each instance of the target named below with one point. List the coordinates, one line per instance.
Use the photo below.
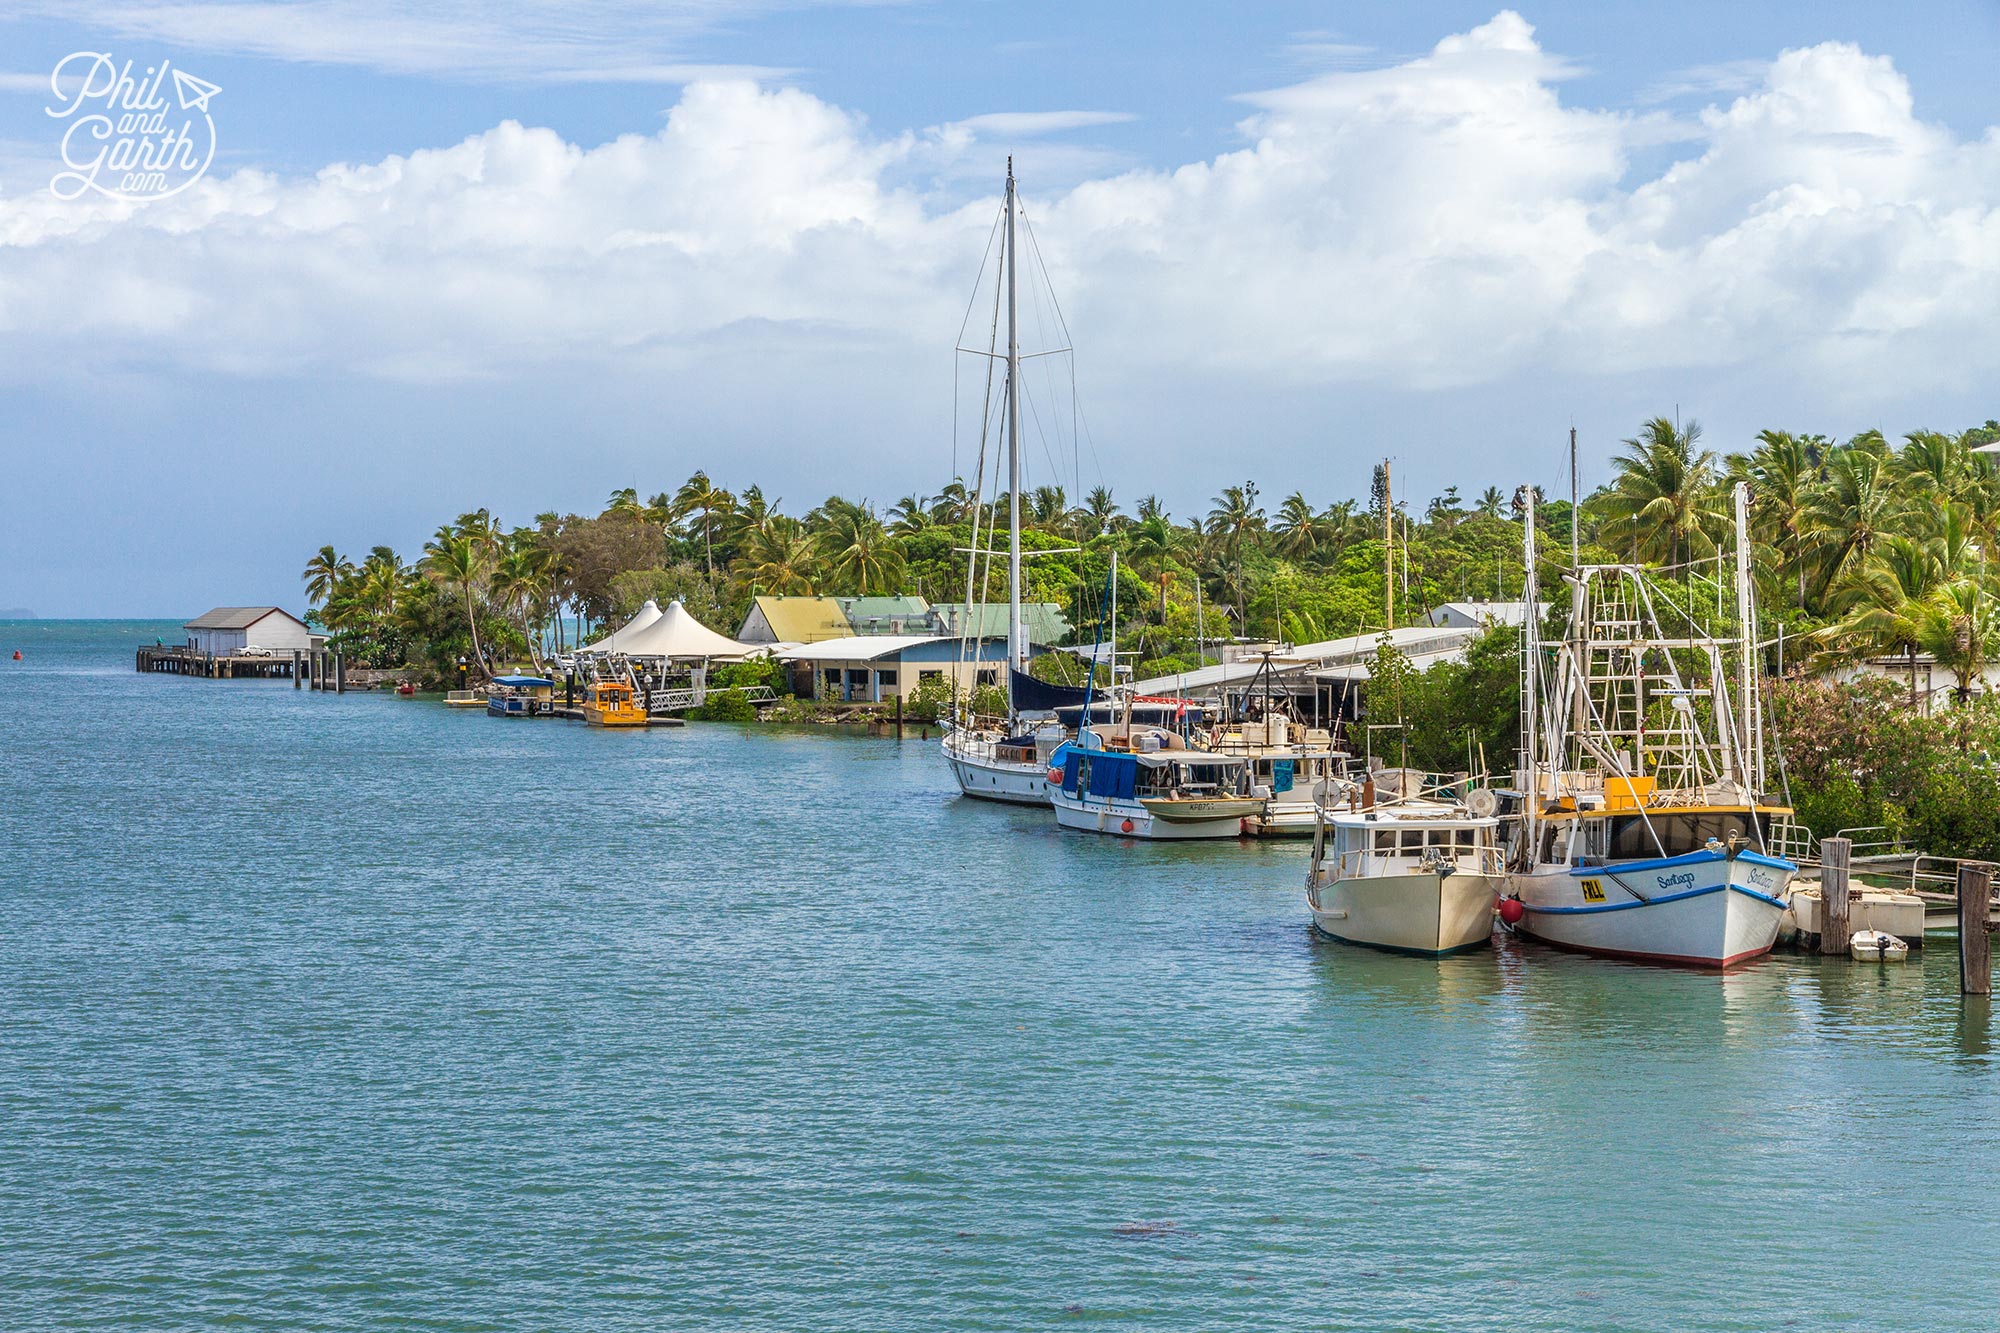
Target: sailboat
(1645, 829)
(1006, 763)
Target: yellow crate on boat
(1627, 793)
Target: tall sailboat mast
(1530, 663)
(1017, 649)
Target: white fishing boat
(1156, 788)
(1409, 875)
(1645, 830)
(1289, 767)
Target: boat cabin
(521, 696)
(1368, 846)
(1592, 838)
(1157, 775)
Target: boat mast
(1388, 550)
(1746, 625)
(1575, 519)
(1017, 653)
(1114, 646)
(1530, 658)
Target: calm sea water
(359, 1013)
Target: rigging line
(1055, 304)
(973, 300)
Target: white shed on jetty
(227, 630)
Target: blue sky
(1293, 239)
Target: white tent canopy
(615, 641)
(675, 632)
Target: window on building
(886, 677)
(833, 675)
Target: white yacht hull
(1700, 910)
(1424, 913)
(988, 779)
(1130, 819)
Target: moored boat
(1416, 876)
(1644, 832)
(611, 703)
(521, 696)
(1158, 790)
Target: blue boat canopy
(524, 680)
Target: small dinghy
(1877, 946)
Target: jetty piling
(1975, 946)
(1834, 934)
(297, 660)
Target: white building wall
(279, 633)
(215, 642)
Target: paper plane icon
(194, 93)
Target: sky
(451, 254)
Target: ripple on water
(355, 1013)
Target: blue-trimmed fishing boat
(1645, 829)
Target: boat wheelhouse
(521, 696)
(1291, 767)
(1159, 789)
(612, 703)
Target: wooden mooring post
(296, 656)
(1975, 946)
(340, 673)
(1834, 935)
(899, 717)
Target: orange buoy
(1125, 827)
(17, 654)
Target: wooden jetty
(319, 668)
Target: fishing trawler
(1146, 783)
(1646, 830)
(1408, 868)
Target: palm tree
(1664, 505)
(1783, 474)
(625, 500)
(1150, 507)
(783, 557)
(953, 504)
(860, 553)
(1234, 518)
(910, 515)
(1857, 508)
(456, 560)
(1300, 531)
(698, 493)
(1100, 511)
(1491, 502)
(520, 579)
(324, 574)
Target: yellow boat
(609, 703)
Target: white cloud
(586, 41)
(1030, 124)
(1447, 221)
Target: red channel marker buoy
(17, 654)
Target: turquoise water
(358, 1013)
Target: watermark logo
(138, 137)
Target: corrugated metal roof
(1414, 641)
(859, 647)
(803, 619)
(1045, 620)
(236, 617)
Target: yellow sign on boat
(1593, 891)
